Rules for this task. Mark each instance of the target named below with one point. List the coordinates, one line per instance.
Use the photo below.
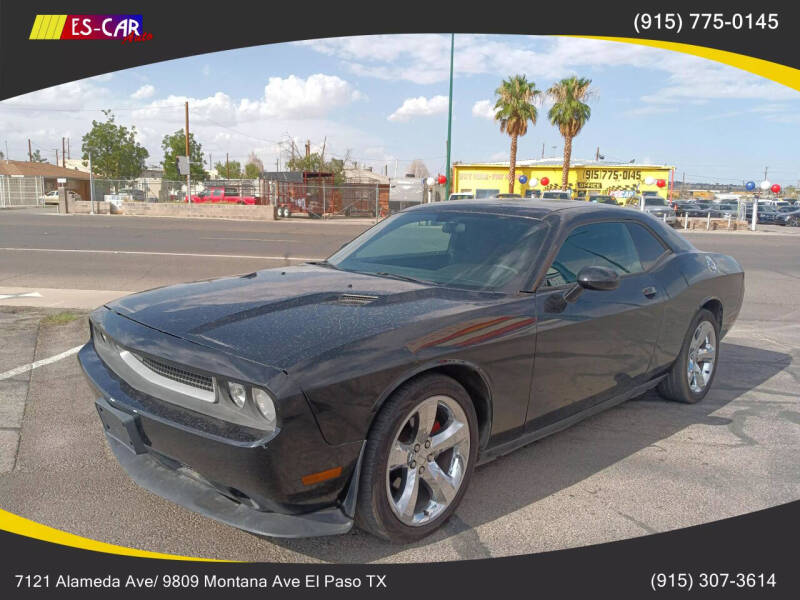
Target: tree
(417, 168)
(175, 145)
(115, 152)
(254, 167)
(569, 113)
(314, 163)
(513, 109)
(37, 157)
(229, 170)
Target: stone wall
(202, 211)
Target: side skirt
(531, 436)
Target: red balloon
(775, 188)
(442, 179)
(544, 181)
(661, 183)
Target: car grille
(183, 376)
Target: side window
(596, 245)
(649, 248)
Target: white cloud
(425, 59)
(146, 91)
(419, 107)
(483, 109)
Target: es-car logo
(125, 28)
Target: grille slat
(355, 299)
(183, 376)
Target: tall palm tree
(569, 113)
(513, 109)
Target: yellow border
(777, 72)
(22, 526)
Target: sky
(382, 100)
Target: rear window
(654, 201)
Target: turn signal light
(322, 476)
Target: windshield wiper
(404, 278)
(322, 263)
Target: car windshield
(654, 201)
(462, 249)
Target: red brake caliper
(436, 427)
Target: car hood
(278, 317)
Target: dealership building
(621, 180)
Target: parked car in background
(556, 195)
(725, 209)
(222, 195)
(680, 206)
(508, 196)
(51, 197)
(765, 214)
(790, 218)
(533, 193)
(658, 207)
(602, 199)
(134, 194)
(461, 196)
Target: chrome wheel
(702, 355)
(427, 460)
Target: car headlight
(238, 393)
(265, 404)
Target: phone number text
(673, 21)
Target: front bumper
(246, 483)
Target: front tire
(693, 372)
(419, 459)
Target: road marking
(39, 363)
(137, 252)
(22, 295)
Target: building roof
(558, 162)
(24, 168)
(364, 176)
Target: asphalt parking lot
(646, 466)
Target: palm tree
(513, 109)
(569, 113)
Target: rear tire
(419, 459)
(694, 370)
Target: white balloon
(429, 181)
(533, 182)
(765, 185)
(649, 180)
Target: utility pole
(597, 154)
(322, 156)
(308, 148)
(765, 173)
(188, 158)
(227, 167)
(56, 149)
(30, 154)
(542, 149)
(449, 121)
(68, 152)
(63, 154)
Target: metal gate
(21, 191)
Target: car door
(600, 344)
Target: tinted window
(647, 246)
(654, 201)
(598, 244)
(452, 248)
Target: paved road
(643, 467)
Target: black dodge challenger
(366, 387)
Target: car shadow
(543, 468)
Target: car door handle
(649, 291)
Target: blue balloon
(523, 179)
(750, 186)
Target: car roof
(524, 207)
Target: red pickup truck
(219, 194)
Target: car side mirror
(598, 278)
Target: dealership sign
(125, 28)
